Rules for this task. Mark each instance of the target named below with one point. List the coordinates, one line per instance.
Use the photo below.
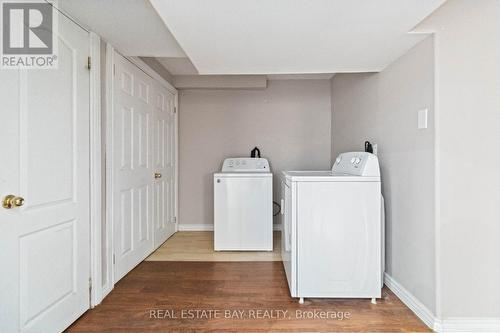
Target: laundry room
(285, 119)
(289, 121)
(250, 166)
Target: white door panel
(132, 190)
(143, 159)
(45, 256)
(164, 164)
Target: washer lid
(327, 176)
(245, 164)
(232, 174)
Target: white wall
(155, 65)
(468, 173)
(382, 108)
(289, 121)
(464, 76)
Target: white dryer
(331, 232)
(243, 205)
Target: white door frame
(95, 171)
(99, 291)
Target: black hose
(279, 208)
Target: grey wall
(468, 129)
(383, 108)
(289, 121)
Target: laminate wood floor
(155, 296)
(199, 246)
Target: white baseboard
(209, 227)
(410, 301)
(195, 227)
(462, 324)
(469, 325)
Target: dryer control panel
(245, 164)
(357, 164)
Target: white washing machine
(243, 205)
(332, 229)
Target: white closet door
(132, 165)
(44, 158)
(142, 156)
(164, 164)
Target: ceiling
(319, 76)
(293, 37)
(277, 37)
(178, 66)
(132, 26)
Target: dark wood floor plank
(247, 286)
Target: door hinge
(90, 291)
(175, 109)
(114, 259)
(175, 219)
(89, 63)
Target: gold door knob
(157, 175)
(11, 201)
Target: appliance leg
(301, 300)
(374, 300)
